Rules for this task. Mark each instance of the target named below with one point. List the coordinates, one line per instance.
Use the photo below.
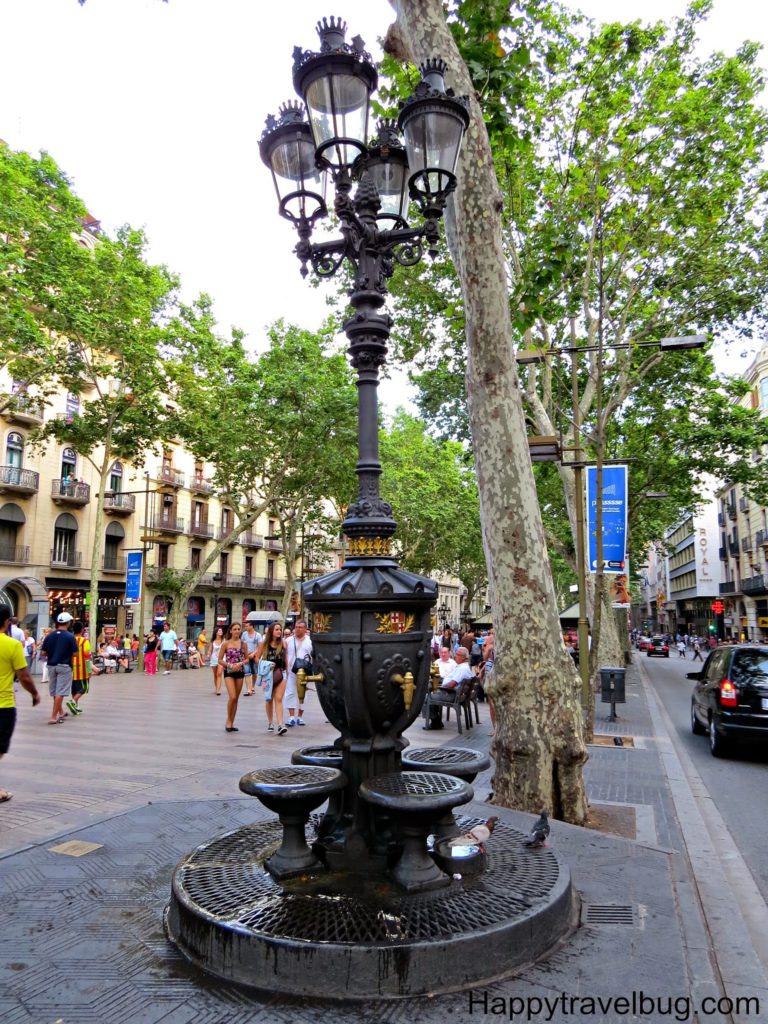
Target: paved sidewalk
(148, 772)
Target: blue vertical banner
(614, 505)
(134, 570)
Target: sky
(155, 111)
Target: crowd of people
(463, 661)
(242, 663)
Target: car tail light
(729, 695)
(665, 647)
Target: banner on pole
(134, 570)
(614, 508)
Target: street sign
(133, 576)
(613, 502)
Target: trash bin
(612, 685)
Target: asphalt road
(738, 785)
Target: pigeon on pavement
(539, 832)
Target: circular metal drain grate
(224, 879)
(443, 755)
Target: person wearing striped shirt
(81, 669)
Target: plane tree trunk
(538, 747)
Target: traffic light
(713, 629)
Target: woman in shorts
(272, 649)
(233, 654)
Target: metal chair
(445, 699)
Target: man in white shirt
(444, 693)
(168, 640)
(299, 645)
(16, 631)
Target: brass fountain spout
(301, 682)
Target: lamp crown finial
(291, 110)
(332, 31)
(433, 71)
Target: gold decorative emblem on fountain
(370, 546)
(394, 622)
(321, 623)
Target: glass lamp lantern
(387, 164)
(288, 149)
(336, 85)
(433, 123)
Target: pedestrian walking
(30, 649)
(213, 659)
(272, 649)
(13, 665)
(59, 648)
(233, 655)
(81, 669)
(151, 645)
(168, 645)
(681, 648)
(697, 650)
(251, 639)
(298, 647)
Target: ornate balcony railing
(66, 559)
(70, 492)
(19, 481)
(202, 530)
(113, 563)
(170, 477)
(166, 523)
(14, 553)
(119, 504)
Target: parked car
(730, 697)
(657, 648)
(643, 643)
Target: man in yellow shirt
(13, 665)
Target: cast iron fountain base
(339, 936)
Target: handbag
(302, 663)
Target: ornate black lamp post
(363, 910)
(371, 622)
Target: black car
(658, 648)
(730, 697)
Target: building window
(72, 408)
(116, 478)
(167, 463)
(224, 564)
(194, 558)
(226, 521)
(198, 513)
(198, 472)
(248, 567)
(162, 555)
(271, 569)
(14, 451)
(68, 464)
(764, 393)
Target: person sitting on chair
(444, 693)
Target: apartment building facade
(168, 507)
(743, 525)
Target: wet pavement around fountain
(106, 805)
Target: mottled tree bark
(539, 747)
